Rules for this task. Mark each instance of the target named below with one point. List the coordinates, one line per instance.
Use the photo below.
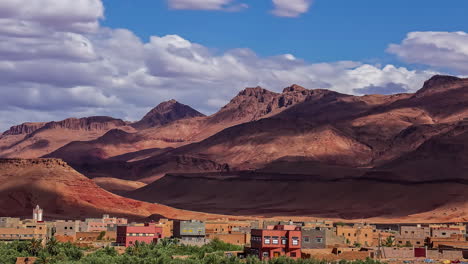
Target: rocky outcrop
(23, 129)
(165, 113)
(86, 123)
(441, 83)
(255, 103)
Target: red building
(128, 235)
(276, 241)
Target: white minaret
(37, 213)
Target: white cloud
(445, 50)
(291, 8)
(227, 5)
(50, 73)
(71, 15)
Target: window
(293, 254)
(319, 240)
(443, 233)
(275, 240)
(306, 239)
(418, 242)
(284, 240)
(65, 228)
(267, 240)
(265, 254)
(295, 241)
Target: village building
(445, 232)
(358, 234)
(9, 222)
(319, 224)
(459, 226)
(321, 237)
(24, 230)
(66, 228)
(190, 232)
(412, 236)
(167, 227)
(130, 234)
(276, 241)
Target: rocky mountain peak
(294, 88)
(441, 83)
(164, 113)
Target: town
(264, 239)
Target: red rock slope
(64, 193)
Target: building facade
(276, 241)
(129, 235)
(412, 236)
(358, 234)
(25, 230)
(191, 232)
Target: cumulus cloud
(445, 50)
(227, 5)
(69, 15)
(291, 8)
(389, 88)
(51, 73)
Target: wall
(93, 236)
(313, 238)
(445, 254)
(236, 239)
(397, 253)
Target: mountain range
(301, 152)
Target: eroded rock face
(255, 103)
(23, 129)
(165, 113)
(86, 123)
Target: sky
(120, 58)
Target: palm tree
(44, 258)
(52, 246)
(35, 246)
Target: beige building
(412, 236)
(66, 228)
(24, 230)
(361, 234)
(167, 227)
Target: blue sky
(121, 58)
(331, 30)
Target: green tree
(35, 246)
(388, 242)
(52, 246)
(101, 235)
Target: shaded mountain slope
(247, 193)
